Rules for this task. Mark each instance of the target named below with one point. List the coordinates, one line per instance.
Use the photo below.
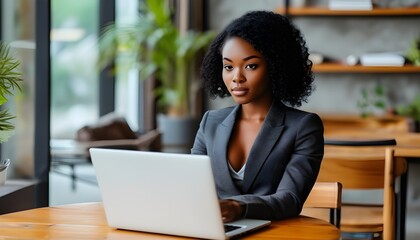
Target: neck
(255, 113)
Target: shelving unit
(341, 68)
(317, 11)
(380, 29)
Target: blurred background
(64, 89)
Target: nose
(238, 77)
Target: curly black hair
(283, 48)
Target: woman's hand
(231, 210)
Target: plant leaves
(154, 45)
(10, 78)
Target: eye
(227, 67)
(251, 66)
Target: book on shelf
(382, 59)
(350, 5)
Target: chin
(241, 100)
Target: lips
(239, 91)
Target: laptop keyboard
(229, 228)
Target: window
(74, 76)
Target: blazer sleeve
(298, 179)
(199, 146)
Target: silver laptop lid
(158, 192)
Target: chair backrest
(355, 172)
(358, 167)
(326, 195)
(356, 164)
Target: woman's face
(245, 72)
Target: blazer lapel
(221, 168)
(269, 134)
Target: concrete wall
(338, 37)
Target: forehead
(238, 47)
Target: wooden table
(87, 221)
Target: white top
(237, 176)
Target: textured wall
(338, 37)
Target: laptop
(165, 193)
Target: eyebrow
(245, 59)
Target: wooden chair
(356, 169)
(324, 196)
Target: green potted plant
(156, 47)
(9, 81)
(412, 111)
(372, 100)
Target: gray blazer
(282, 165)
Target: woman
(265, 154)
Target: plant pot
(178, 133)
(3, 176)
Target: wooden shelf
(324, 11)
(341, 68)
